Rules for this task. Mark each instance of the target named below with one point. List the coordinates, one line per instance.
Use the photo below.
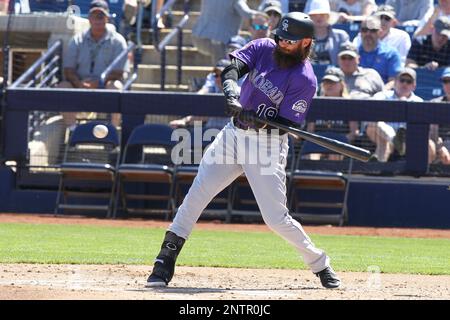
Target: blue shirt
(383, 59)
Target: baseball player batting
(280, 85)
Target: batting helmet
(295, 26)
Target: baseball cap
(319, 7)
(446, 73)
(99, 5)
(333, 74)
(385, 10)
(222, 64)
(442, 25)
(273, 5)
(372, 22)
(408, 71)
(348, 48)
(237, 42)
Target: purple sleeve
(297, 101)
(249, 53)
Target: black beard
(286, 60)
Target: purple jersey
(271, 91)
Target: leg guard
(165, 261)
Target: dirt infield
(24, 281)
(38, 281)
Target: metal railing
(43, 70)
(112, 65)
(161, 46)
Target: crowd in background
(378, 62)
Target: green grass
(81, 244)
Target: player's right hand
(233, 107)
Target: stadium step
(178, 15)
(190, 56)
(147, 37)
(152, 74)
(157, 87)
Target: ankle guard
(164, 267)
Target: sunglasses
(445, 81)
(385, 18)
(364, 30)
(347, 57)
(290, 42)
(406, 80)
(97, 16)
(258, 27)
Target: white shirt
(391, 95)
(355, 9)
(396, 38)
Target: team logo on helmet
(285, 25)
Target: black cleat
(155, 282)
(329, 278)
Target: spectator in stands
(390, 136)
(425, 26)
(361, 82)
(442, 145)
(130, 12)
(333, 85)
(434, 51)
(273, 9)
(376, 54)
(353, 10)
(327, 39)
(87, 56)
(218, 21)
(410, 12)
(213, 84)
(390, 35)
(259, 27)
(236, 42)
(91, 52)
(284, 4)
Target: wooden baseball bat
(332, 144)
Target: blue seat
(81, 8)
(429, 85)
(145, 174)
(319, 70)
(88, 170)
(352, 28)
(318, 197)
(408, 29)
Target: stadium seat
(409, 29)
(81, 8)
(319, 71)
(88, 169)
(318, 197)
(429, 85)
(146, 162)
(351, 28)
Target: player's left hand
(233, 107)
(248, 116)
